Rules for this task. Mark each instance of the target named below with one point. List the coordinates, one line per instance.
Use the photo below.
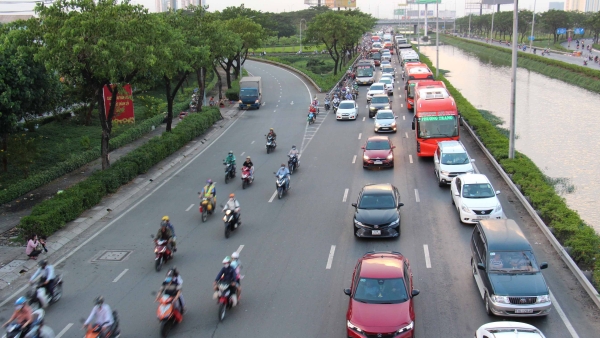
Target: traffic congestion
(434, 241)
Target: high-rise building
(592, 6)
(559, 6)
(575, 5)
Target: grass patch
(495, 121)
(288, 49)
(566, 225)
(596, 46)
(580, 76)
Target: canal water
(556, 123)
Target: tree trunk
(4, 152)
(228, 73)
(171, 97)
(219, 82)
(88, 116)
(106, 122)
(201, 86)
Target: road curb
(283, 65)
(585, 283)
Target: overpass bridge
(410, 22)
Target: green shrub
(568, 228)
(232, 94)
(51, 215)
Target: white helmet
(235, 255)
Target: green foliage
(85, 142)
(152, 105)
(568, 228)
(51, 215)
(136, 132)
(233, 93)
(22, 152)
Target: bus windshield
(437, 126)
(411, 90)
(364, 72)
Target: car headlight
(543, 299)
(358, 223)
(365, 157)
(465, 208)
(498, 208)
(256, 101)
(377, 125)
(393, 124)
(444, 172)
(353, 327)
(240, 101)
(500, 299)
(406, 328)
(390, 157)
(396, 222)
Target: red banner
(123, 106)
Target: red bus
(415, 72)
(436, 118)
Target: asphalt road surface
(298, 253)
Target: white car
(475, 198)
(376, 88)
(385, 63)
(389, 84)
(508, 330)
(450, 160)
(347, 110)
(385, 121)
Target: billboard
(123, 106)
(344, 3)
(422, 2)
(399, 11)
(497, 2)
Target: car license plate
(248, 105)
(523, 310)
(482, 217)
(375, 232)
(378, 162)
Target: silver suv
(451, 159)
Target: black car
(380, 101)
(507, 275)
(377, 211)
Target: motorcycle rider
(327, 101)
(167, 222)
(233, 204)
(230, 159)
(272, 133)
(22, 315)
(237, 266)
(283, 170)
(227, 275)
(336, 101)
(165, 234)
(46, 271)
(349, 95)
(248, 164)
(209, 191)
(294, 152)
(171, 286)
(101, 315)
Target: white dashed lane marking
(354, 159)
(417, 195)
(345, 195)
(427, 259)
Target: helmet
(227, 260)
(165, 218)
(43, 263)
(22, 300)
(231, 152)
(209, 181)
(282, 165)
(99, 300)
(247, 157)
(168, 280)
(235, 255)
(232, 195)
(163, 224)
(294, 147)
(173, 272)
(271, 129)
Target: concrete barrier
(283, 65)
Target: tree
(94, 44)
(326, 28)
(524, 23)
(552, 20)
(251, 35)
(593, 24)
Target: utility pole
(513, 82)
(532, 25)
(492, 30)
(437, 38)
(469, 25)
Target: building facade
(559, 6)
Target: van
(507, 275)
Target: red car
(378, 152)
(381, 297)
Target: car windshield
(346, 105)
(385, 116)
(381, 291)
(385, 80)
(248, 92)
(387, 70)
(478, 190)
(377, 201)
(455, 158)
(377, 87)
(378, 99)
(378, 145)
(512, 262)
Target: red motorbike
(225, 298)
(167, 314)
(246, 178)
(162, 253)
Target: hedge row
(51, 215)
(136, 132)
(571, 231)
(580, 76)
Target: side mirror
(400, 205)
(354, 205)
(415, 292)
(152, 236)
(221, 205)
(393, 147)
(363, 147)
(456, 194)
(347, 292)
(437, 162)
(413, 125)
(544, 265)
(395, 117)
(472, 160)
(480, 266)
(497, 192)
(274, 173)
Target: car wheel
(442, 183)
(452, 197)
(487, 304)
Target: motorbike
(39, 298)
(293, 163)
(311, 118)
(246, 178)
(336, 104)
(162, 253)
(327, 106)
(206, 208)
(270, 144)
(112, 332)
(15, 330)
(230, 222)
(229, 171)
(224, 297)
(167, 314)
(281, 185)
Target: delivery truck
(250, 92)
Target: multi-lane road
(298, 253)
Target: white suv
(450, 160)
(475, 198)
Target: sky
(377, 8)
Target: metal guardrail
(585, 283)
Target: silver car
(385, 121)
(450, 160)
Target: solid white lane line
(188, 209)
(427, 259)
(404, 117)
(240, 249)
(272, 197)
(410, 158)
(475, 168)
(61, 333)
(345, 195)
(417, 195)
(252, 142)
(120, 275)
(354, 159)
(563, 316)
(406, 134)
(364, 117)
(330, 258)
(359, 135)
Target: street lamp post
(513, 84)
(532, 25)
(492, 30)
(469, 25)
